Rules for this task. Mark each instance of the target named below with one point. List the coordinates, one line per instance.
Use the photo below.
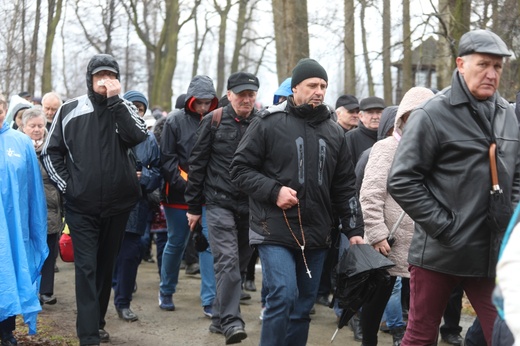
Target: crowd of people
(430, 183)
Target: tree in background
(291, 35)
(53, 18)
(349, 44)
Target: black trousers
(452, 313)
(96, 241)
(125, 271)
(7, 327)
(47, 282)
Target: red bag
(66, 249)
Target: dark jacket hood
(386, 122)
(201, 87)
(96, 61)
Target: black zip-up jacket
(209, 164)
(86, 153)
(440, 176)
(302, 148)
(178, 137)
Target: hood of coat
(412, 99)
(387, 122)
(201, 87)
(96, 61)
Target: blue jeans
(393, 311)
(178, 236)
(291, 293)
(207, 273)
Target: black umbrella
(359, 271)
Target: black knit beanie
(307, 68)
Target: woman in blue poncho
(23, 230)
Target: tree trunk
(408, 80)
(34, 49)
(350, 48)
(368, 67)
(387, 73)
(454, 20)
(54, 16)
(241, 24)
(221, 55)
(291, 35)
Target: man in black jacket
(87, 155)
(365, 135)
(294, 164)
(441, 178)
(227, 208)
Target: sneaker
(207, 311)
(166, 302)
(104, 337)
(261, 317)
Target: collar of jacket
(312, 115)
(237, 117)
(368, 132)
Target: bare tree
(33, 58)
(163, 49)
(408, 81)
(221, 55)
(368, 67)
(53, 18)
(101, 41)
(387, 73)
(199, 41)
(350, 49)
(454, 19)
(291, 34)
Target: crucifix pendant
(309, 273)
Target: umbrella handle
(334, 335)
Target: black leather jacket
(441, 177)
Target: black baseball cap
(240, 81)
(350, 102)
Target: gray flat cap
(482, 41)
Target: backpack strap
(216, 117)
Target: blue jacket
(23, 227)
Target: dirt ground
(184, 326)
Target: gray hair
(52, 94)
(31, 113)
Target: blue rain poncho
(23, 227)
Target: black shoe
(249, 285)
(245, 296)
(127, 314)
(234, 335)
(452, 339)
(356, 328)
(104, 336)
(193, 269)
(397, 335)
(322, 300)
(213, 328)
(56, 269)
(9, 340)
(48, 299)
